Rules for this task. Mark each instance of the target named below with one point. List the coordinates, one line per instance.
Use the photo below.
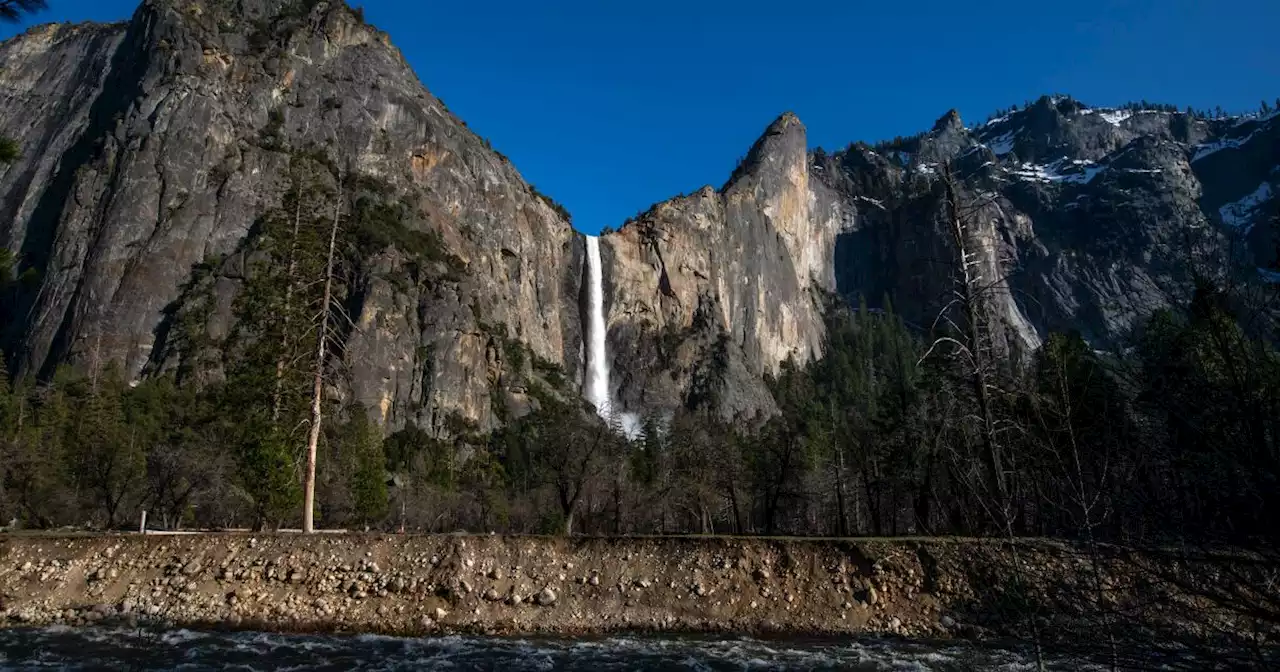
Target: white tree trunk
(317, 388)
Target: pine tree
(109, 451)
(9, 150)
(367, 466)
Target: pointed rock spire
(949, 121)
(783, 143)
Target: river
(65, 648)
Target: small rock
(496, 573)
(644, 583)
(427, 622)
(440, 614)
(895, 624)
(27, 566)
(547, 597)
(700, 590)
(762, 574)
(515, 600)
(594, 580)
(947, 622)
(465, 586)
(873, 597)
(492, 595)
(295, 577)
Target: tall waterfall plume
(598, 390)
(597, 382)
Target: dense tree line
(1178, 438)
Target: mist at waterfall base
(102, 648)
(597, 387)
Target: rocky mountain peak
(782, 146)
(948, 122)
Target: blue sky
(611, 105)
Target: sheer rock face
(154, 145)
(749, 261)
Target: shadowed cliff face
(1084, 219)
(155, 145)
(153, 149)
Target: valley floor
(409, 585)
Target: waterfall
(597, 379)
(598, 390)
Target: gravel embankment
(543, 585)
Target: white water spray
(598, 390)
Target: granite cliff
(154, 148)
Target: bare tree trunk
(970, 295)
(317, 388)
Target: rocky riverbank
(542, 585)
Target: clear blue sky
(611, 105)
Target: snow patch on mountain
(1071, 171)
(1001, 144)
(1225, 143)
(1239, 214)
(1114, 117)
(993, 122)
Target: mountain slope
(159, 152)
(156, 145)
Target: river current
(62, 648)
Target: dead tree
(317, 390)
(973, 349)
